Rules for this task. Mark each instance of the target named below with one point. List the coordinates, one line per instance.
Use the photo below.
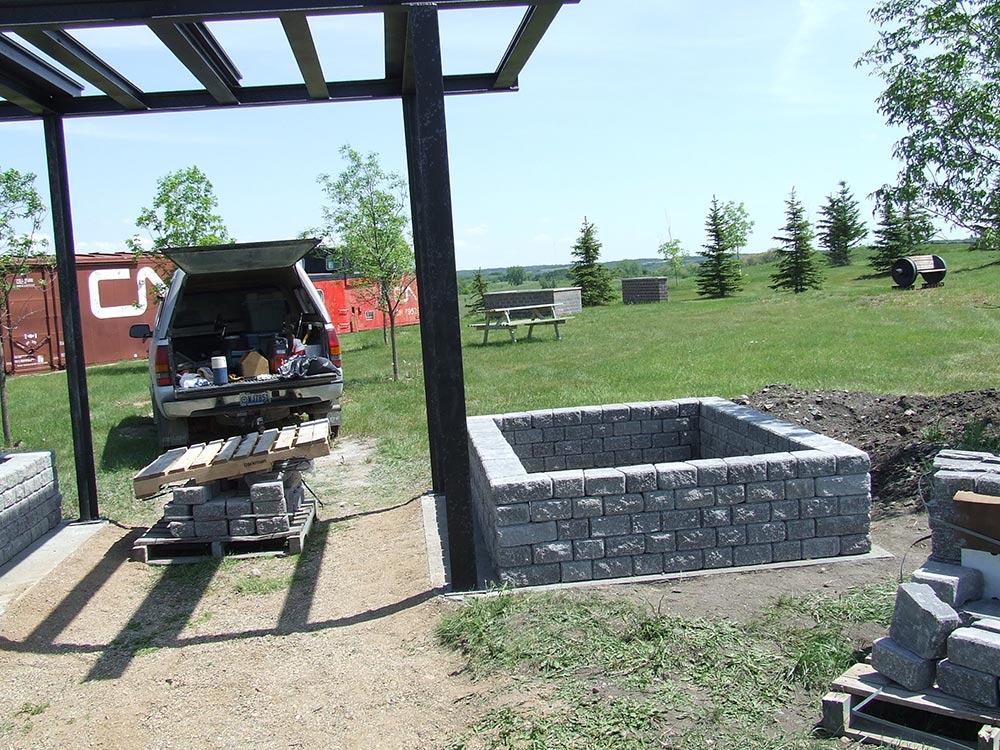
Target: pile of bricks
(254, 505)
(30, 501)
(942, 634)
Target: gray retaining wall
(635, 489)
(566, 299)
(30, 501)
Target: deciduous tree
(720, 273)
(183, 213)
(673, 255)
(366, 217)
(941, 71)
(797, 269)
(21, 213)
(736, 226)
(840, 226)
(593, 278)
(515, 275)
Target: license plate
(255, 399)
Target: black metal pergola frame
(34, 89)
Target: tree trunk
(4, 415)
(392, 336)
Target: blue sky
(633, 113)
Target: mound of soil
(902, 434)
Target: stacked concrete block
(567, 300)
(928, 643)
(954, 470)
(637, 489)
(644, 289)
(30, 501)
(257, 505)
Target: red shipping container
(115, 291)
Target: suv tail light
(161, 365)
(333, 345)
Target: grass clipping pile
(901, 434)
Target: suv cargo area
(253, 307)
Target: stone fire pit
(619, 490)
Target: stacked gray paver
(660, 487)
(644, 289)
(30, 501)
(927, 642)
(953, 471)
(259, 504)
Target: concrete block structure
(616, 490)
(644, 289)
(967, 684)
(954, 584)
(955, 470)
(566, 299)
(30, 501)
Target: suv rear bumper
(239, 401)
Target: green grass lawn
(857, 333)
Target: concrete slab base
(19, 575)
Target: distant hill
(648, 263)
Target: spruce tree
(797, 267)
(841, 227)
(477, 303)
(891, 238)
(593, 278)
(719, 275)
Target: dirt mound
(900, 433)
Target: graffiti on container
(144, 276)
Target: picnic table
(510, 318)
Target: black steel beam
(64, 49)
(533, 26)
(30, 82)
(394, 28)
(197, 49)
(76, 370)
(256, 96)
(424, 125)
(67, 13)
(300, 39)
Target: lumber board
(285, 439)
(232, 458)
(863, 680)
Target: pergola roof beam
(256, 96)
(533, 26)
(397, 62)
(66, 50)
(300, 37)
(132, 12)
(30, 82)
(194, 45)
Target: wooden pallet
(862, 697)
(234, 456)
(158, 547)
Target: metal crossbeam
(194, 45)
(64, 49)
(533, 26)
(300, 37)
(30, 82)
(130, 12)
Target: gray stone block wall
(566, 299)
(565, 494)
(30, 501)
(644, 289)
(953, 471)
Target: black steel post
(76, 370)
(440, 328)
